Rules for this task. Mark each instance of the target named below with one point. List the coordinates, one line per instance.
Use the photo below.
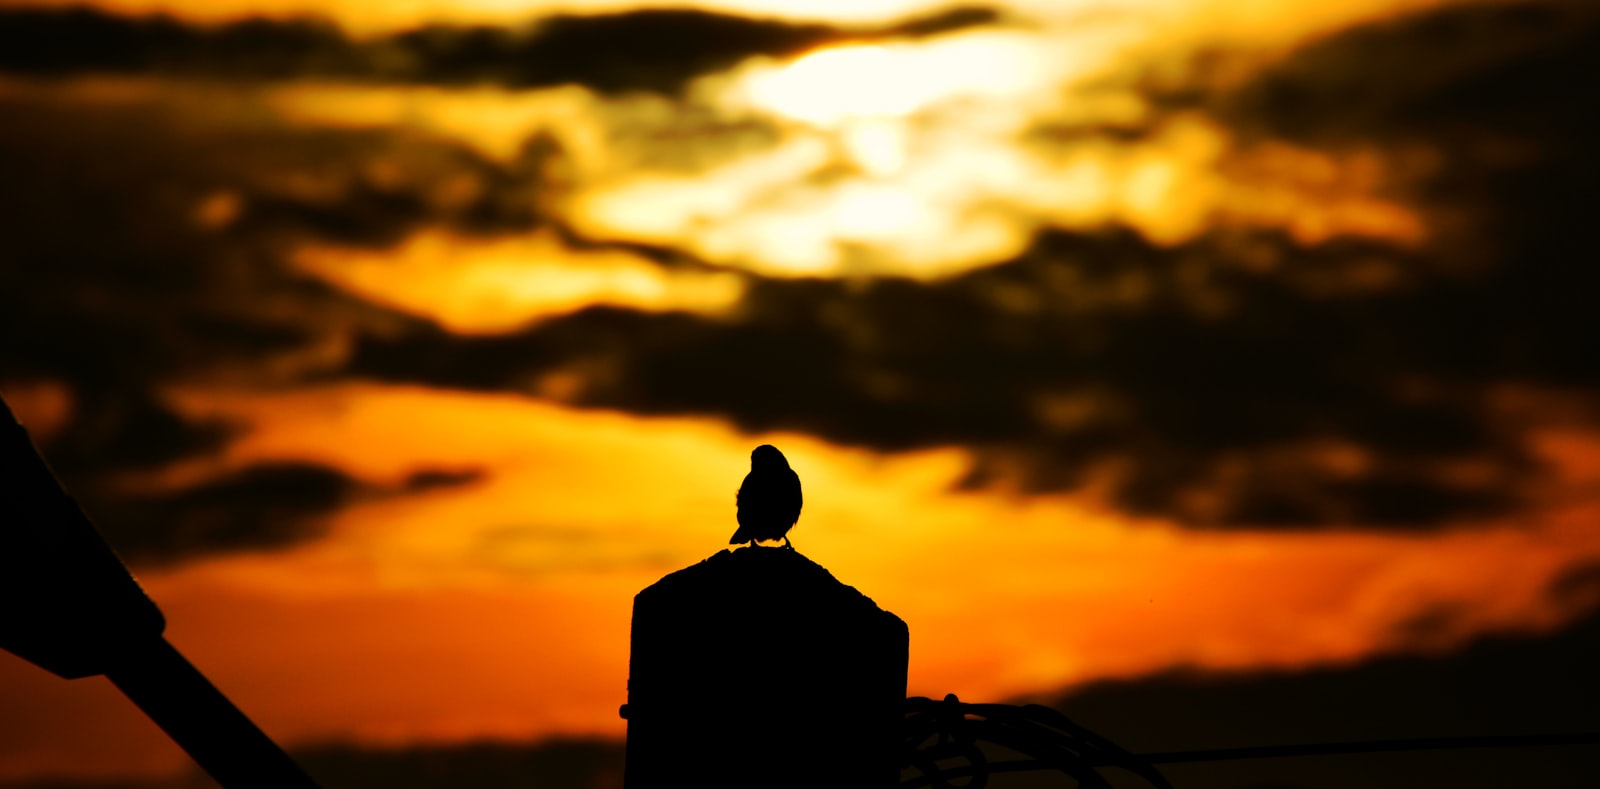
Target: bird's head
(767, 456)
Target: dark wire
(942, 744)
(1375, 746)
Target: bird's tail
(741, 536)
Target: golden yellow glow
(877, 145)
(493, 120)
(827, 86)
(666, 208)
(931, 201)
(911, 156)
(867, 211)
(470, 285)
(831, 86)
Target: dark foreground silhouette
(74, 610)
(756, 667)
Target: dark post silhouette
(68, 605)
(757, 668)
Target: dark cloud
(39, 40)
(938, 23)
(148, 241)
(1241, 378)
(146, 248)
(1579, 587)
(649, 50)
(1226, 394)
(652, 50)
(260, 507)
(440, 478)
(1502, 685)
(266, 506)
(1478, 68)
(111, 286)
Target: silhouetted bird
(768, 500)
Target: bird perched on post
(768, 500)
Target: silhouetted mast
(73, 609)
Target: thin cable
(937, 733)
(1374, 746)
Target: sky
(1135, 354)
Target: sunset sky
(397, 345)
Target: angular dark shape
(756, 667)
(72, 608)
(70, 605)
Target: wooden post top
(756, 667)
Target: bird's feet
(786, 542)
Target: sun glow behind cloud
(830, 87)
(925, 158)
(887, 197)
(498, 607)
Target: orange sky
(500, 608)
